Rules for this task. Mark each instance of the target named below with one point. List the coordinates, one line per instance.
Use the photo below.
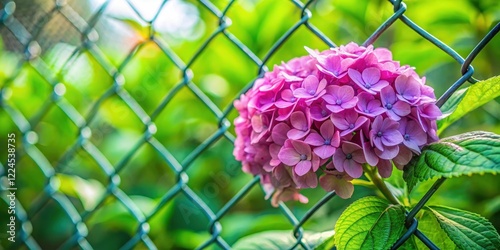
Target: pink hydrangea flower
(318, 118)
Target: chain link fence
(32, 30)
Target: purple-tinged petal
(281, 177)
(319, 112)
(335, 108)
(408, 89)
(338, 160)
(353, 169)
(371, 75)
(384, 168)
(377, 87)
(370, 156)
(349, 104)
(387, 96)
(355, 76)
(417, 134)
(308, 180)
(412, 145)
(345, 93)
(388, 153)
(404, 156)
(401, 108)
(430, 111)
(349, 147)
(391, 137)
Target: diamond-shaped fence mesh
(90, 124)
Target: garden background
(123, 125)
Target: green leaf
(468, 230)
(465, 154)
(89, 191)
(452, 103)
(140, 29)
(409, 244)
(474, 97)
(429, 226)
(278, 239)
(370, 222)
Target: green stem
(359, 182)
(373, 175)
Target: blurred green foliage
(221, 71)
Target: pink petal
(383, 55)
(296, 134)
(340, 122)
(327, 129)
(314, 139)
(324, 151)
(289, 156)
(302, 93)
(311, 84)
(315, 162)
(302, 167)
(298, 120)
(401, 108)
(301, 148)
(257, 123)
(335, 108)
(278, 133)
(335, 140)
(349, 147)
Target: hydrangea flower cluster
(327, 114)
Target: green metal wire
(115, 89)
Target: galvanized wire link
(30, 37)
